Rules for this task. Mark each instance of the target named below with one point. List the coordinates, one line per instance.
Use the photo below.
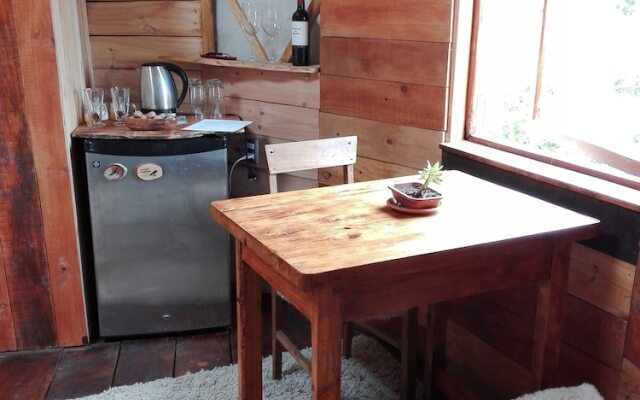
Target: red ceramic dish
(412, 202)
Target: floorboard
(26, 375)
(83, 371)
(144, 360)
(202, 351)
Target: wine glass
(271, 25)
(251, 11)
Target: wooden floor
(74, 372)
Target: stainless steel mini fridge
(160, 263)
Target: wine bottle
(300, 35)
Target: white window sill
(580, 183)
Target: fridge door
(161, 263)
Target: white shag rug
(582, 392)
(371, 373)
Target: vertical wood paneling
(21, 231)
(49, 148)
(7, 333)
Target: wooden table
(339, 254)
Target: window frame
(466, 19)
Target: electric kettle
(157, 90)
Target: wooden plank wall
(40, 296)
(152, 29)
(384, 77)
(284, 107)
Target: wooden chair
(325, 153)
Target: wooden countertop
(111, 131)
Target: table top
(315, 231)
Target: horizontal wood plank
(427, 20)
(594, 332)
(302, 90)
(133, 51)
(145, 18)
(397, 103)
(577, 368)
(387, 142)
(507, 333)
(601, 280)
(241, 186)
(276, 120)
(504, 377)
(365, 169)
(421, 63)
(629, 388)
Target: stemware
(252, 13)
(272, 26)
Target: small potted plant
(418, 195)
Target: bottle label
(299, 33)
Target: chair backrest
(311, 154)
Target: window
(559, 80)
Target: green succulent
(430, 173)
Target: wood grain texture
(84, 371)
(428, 20)
(420, 63)
(577, 368)
(629, 387)
(145, 18)
(49, 147)
(398, 103)
(7, 334)
(133, 51)
(145, 360)
(632, 345)
(601, 280)
(27, 375)
(311, 154)
(365, 169)
(208, 25)
(326, 335)
(191, 355)
(594, 332)
(276, 120)
(21, 225)
(388, 142)
(502, 377)
(302, 90)
(510, 335)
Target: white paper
(217, 125)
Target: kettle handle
(185, 81)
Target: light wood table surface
(339, 253)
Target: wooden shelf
(281, 67)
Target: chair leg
(347, 337)
(408, 354)
(276, 325)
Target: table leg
(326, 334)
(548, 323)
(249, 330)
(434, 354)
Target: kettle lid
(154, 64)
